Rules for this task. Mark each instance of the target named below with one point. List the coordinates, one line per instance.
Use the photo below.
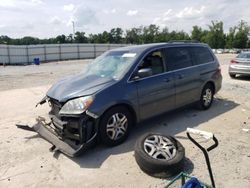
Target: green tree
(230, 37)
(105, 38)
(28, 40)
(215, 36)
(115, 35)
(80, 37)
(180, 35)
(60, 39)
(69, 38)
(163, 35)
(150, 33)
(241, 35)
(197, 33)
(134, 36)
(5, 39)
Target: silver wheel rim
(159, 147)
(207, 97)
(117, 126)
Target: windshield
(111, 64)
(244, 55)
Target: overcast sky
(49, 18)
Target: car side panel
(187, 83)
(210, 73)
(119, 93)
(156, 95)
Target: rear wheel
(115, 125)
(206, 98)
(232, 75)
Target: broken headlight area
(70, 133)
(76, 106)
(79, 128)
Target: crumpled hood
(77, 86)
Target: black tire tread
(200, 105)
(159, 168)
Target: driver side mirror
(144, 72)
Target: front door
(156, 93)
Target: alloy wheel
(117, 126)
(159, 147)
(207, 97)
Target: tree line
(214, 35)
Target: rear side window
(202, 55)
(178, 58)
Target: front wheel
(115, 125)
(206, 98)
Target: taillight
(219, 70)
(217, 73)
(233, 61)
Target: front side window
(154, 60)
(178, 58)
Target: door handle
(180, 76)
(166, 79)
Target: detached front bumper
(62, 140)
(71, 135)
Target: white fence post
(27, 54)
(8, 53)
(94, 50)
(60, 52)
(78, 51)
(45, 53)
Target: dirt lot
(25, 160)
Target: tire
(115, 126)
(232, 75)
(206, 98)
(158, 166)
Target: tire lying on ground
(159, 155)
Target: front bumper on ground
(239, 69)
(66, 146)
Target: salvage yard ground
(25, 160)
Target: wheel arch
(126, 105)
(212, 84)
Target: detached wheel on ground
(207, 97)
(159, 155)
(115, 125)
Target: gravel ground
(25, 160)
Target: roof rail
(183, 41)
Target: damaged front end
(70, 134)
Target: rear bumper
(239, 69)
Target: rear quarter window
(201, 55)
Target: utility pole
(73, 24)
